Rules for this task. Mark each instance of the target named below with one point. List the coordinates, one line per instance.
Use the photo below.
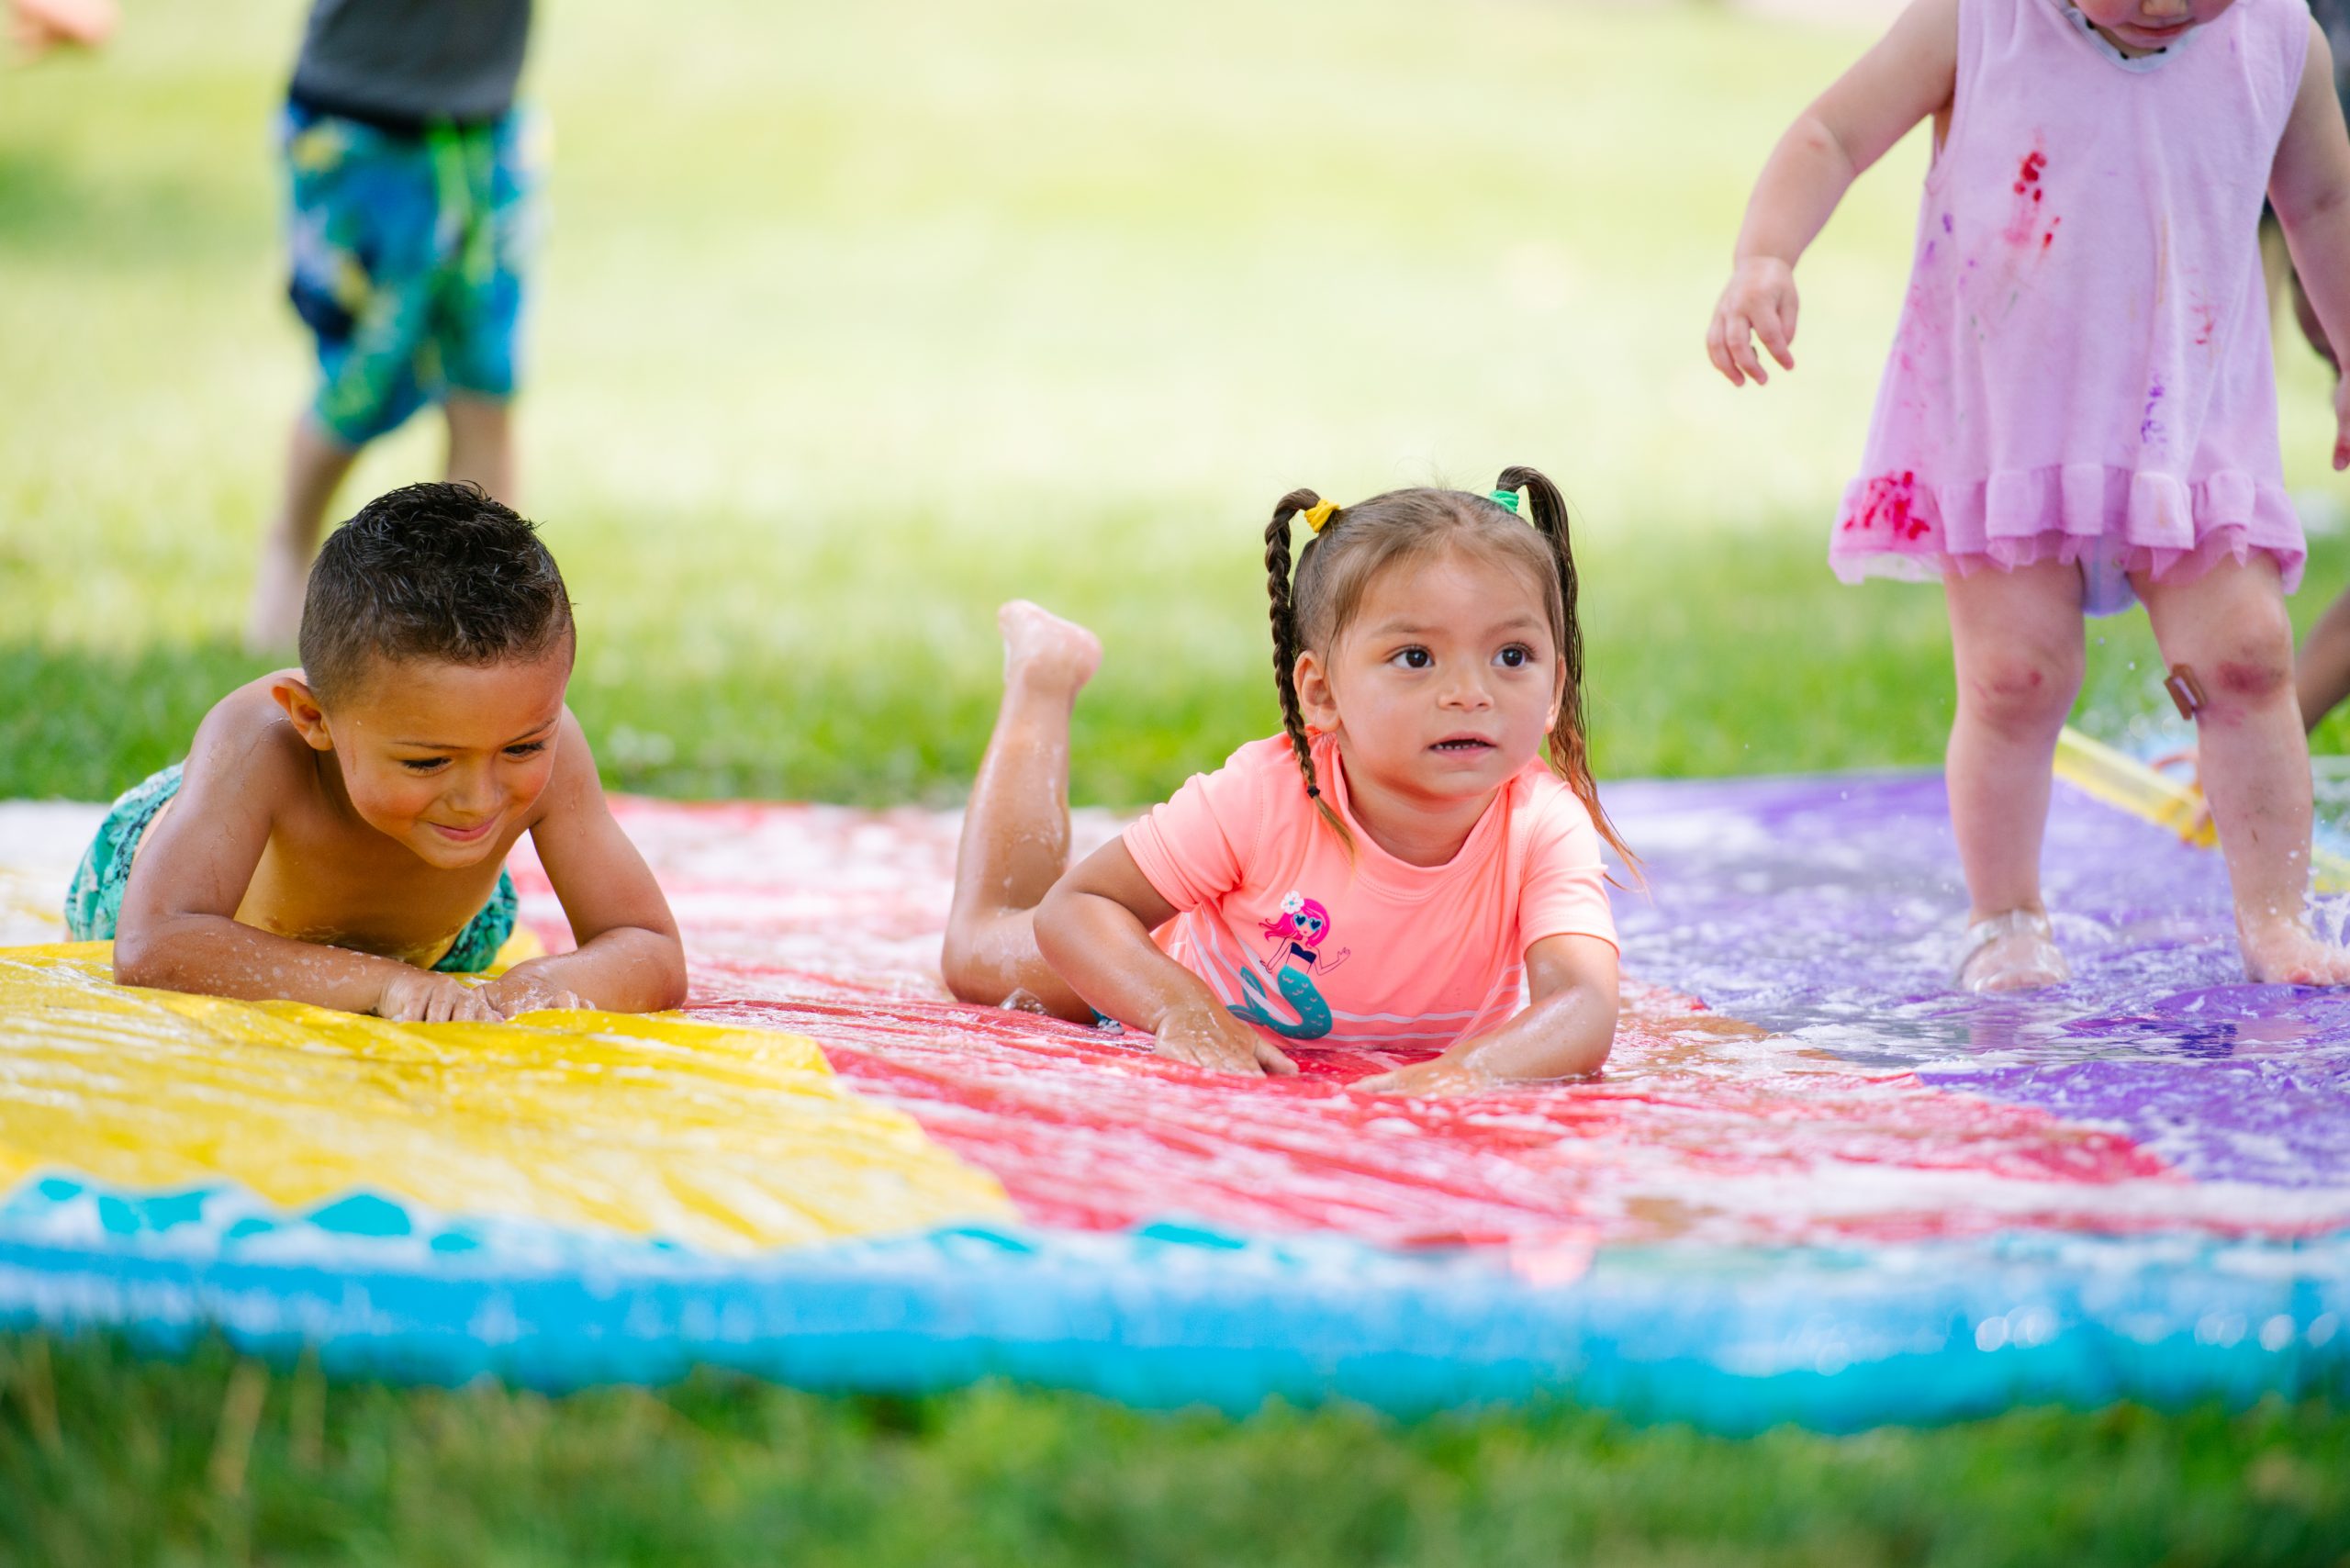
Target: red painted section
(827, 921)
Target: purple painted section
(1831, 909)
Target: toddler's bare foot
(1044, 651)
(274, 621)
(2014, 951)
(2286, 952)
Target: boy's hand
(1758, 301)
(424, 996)
(519, 990)
(1211, 1037)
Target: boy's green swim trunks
(93, 903)
(407, 258)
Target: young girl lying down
(1395, 869)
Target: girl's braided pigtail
(1284, 618)
(1570, 747)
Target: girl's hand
(423, 996)
(1758, 301)
(1436, 1076)
(1212, 1038)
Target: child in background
(412, 213)
(339, 831)
(2079, 407)
(1397, 869)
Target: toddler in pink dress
(2079, 409)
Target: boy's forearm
(2318, 236)
(211, 955)
(2321, 672)
(1098, 946)
(1807, 175)
(625, 969)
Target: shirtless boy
(338, 833)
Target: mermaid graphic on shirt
(1297, 937)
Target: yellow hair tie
(1318, 516)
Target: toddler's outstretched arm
(1565, 1032)
(1908, 76)
(1094, 929)
(2310, 188)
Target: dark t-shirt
(406, 62)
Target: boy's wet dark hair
(1402, 528)
(438, 571)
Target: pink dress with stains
(2082, 371)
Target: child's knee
(2248, 668)
(961, 968)
(2251, 679)
(2021, 688)
(972, 968)
(2245, 682)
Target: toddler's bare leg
(315, 465)
(481, 443)
(2016, 639)
(1015, 833)
(2228, 626)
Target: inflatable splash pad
(1813, 1185)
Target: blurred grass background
(858, 319)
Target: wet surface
(1867, 1102)
(1791, 1068)
(1891, 1204)
(1829, 909)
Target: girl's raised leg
(2016, 640)
(2229, 627)
(1016, 832)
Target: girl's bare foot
(2014, 951)
(1044, 653)
(2286, 952)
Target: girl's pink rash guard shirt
(1313, 946)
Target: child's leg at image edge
(2018, 647)
(316, 464)
(481, 443)
(2228, 626)
(481, 451)
(1016, 832)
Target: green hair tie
(1509, 499)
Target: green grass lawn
(855, 323)
(109, 1459)
(856, 320)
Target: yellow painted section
(2119, 779)
(726, 1139)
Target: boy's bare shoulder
(247, 744)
